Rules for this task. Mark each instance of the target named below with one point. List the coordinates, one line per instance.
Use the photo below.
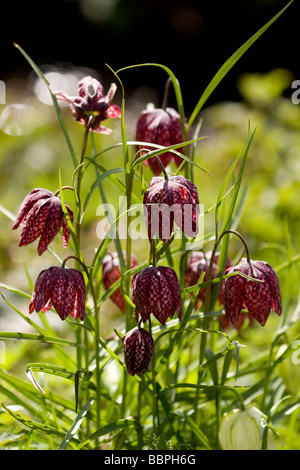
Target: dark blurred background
(193, 38)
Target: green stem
(79, 179)
(154, 394)
(208, 307)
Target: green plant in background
(183, 383)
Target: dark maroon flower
(156, 290)
(198, 262)
(162, 127)
(41, 215)
(91, 102)
(138, 348)
(259, 298)
(111, 272)
(167, 201)
(61, 288)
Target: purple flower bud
(92, 103)
(138, 349)
(259, 298)
(156, 290)
(61, 288)
(167, 201)
(111, 272)
(41, 215)
(198, 262)
(162, 127)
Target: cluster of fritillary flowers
(250, 288)
(41, 213)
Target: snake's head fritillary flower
(259, 298)
(156, 290)
(171, 200)
(41, 215)
(138, 348)
(60, 288)
(162, 127)
(198, 263)
(92, 104)
(111, 272)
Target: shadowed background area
(193, 38)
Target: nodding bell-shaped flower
(60, 288)
(138, 349)
(171, 200)
(259, 298)
(198, 262)
(91, 107)
(156, 290)
(162, 127)
(111, 272)
(41, 215)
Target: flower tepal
(138, 349)
(163, 127)
(61, 288)
(111, 272)
(41, 215)
(91, 106)
(168, 201)
(259, 298)
(198, 262)
(156, 290)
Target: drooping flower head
(138, 349)
(60, 288)
(41, 215)
(156, 290)
(168, 201)
(259, 298)
(91, 104)
(111, 272)
(198, 262)
(162, 127)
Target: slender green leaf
(227, 66)
(196, 429)
(77, 423)
(171, 148)
(175, 84)
(96, 184)
(46, 369)
(110, 429)
(39, 427)
(38, 338)
(55, 103)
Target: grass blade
(55, 103)
(227, 66)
